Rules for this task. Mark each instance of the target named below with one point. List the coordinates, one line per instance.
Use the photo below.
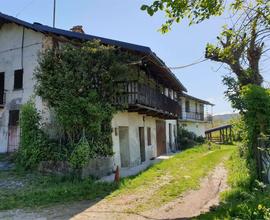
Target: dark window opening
(14, 116)
(149, 136)
(187, 106)
(2, 88)
(18, 79)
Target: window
(149, 136)
(187, 106)
(14, 117)
(201, 108)
(196, 105)
(18, 79)
(2, 82)
(2, 88)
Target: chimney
(78, 29)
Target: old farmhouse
(148, 126)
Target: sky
(123, 20)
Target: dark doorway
(13, 130)
(170, 136)
(142, 143)
(161, 137)
(2, 88)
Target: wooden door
(124, 146)
(161, 137)
(142, 143)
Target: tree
(240, 47)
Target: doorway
(142, 143)
(170, 136)
(13, 130)
(124, 146)
(161, 137)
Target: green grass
(244, 197)
(160, 184)
(167, 180)
(39, 191)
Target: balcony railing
(195, 116)
(137, 94)
(2, 99)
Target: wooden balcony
(137, 97)
(2, 99)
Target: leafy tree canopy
(199, 10)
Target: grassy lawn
(167, 180)
(35, 190)
(161, 183)
(245, 200)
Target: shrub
(187, 139)
(32, 139)
(80, 155)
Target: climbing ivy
(79, 85)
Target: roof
(197, 99)
(218, 128)
(79, 36)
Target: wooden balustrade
(137, 94)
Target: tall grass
(246, 199)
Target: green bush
(80, 155)
(187, 139)
(32, 139)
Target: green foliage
(80, 155)
(188, 139)
(233, 92)
(78, 82)
(201, 10)
(256, 101)
(238, 128)
(176, 11)
(39, 190)
(245, 199)
(32, 139)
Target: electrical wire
(19, 48)
(188, 65)
(25, 7)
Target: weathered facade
(146, 129)
(17, 63)
(194, 116)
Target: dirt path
(190, 204)
(195, 202)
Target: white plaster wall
(10, 60)
(196, 127)
(134, 121)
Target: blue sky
(123, 20)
